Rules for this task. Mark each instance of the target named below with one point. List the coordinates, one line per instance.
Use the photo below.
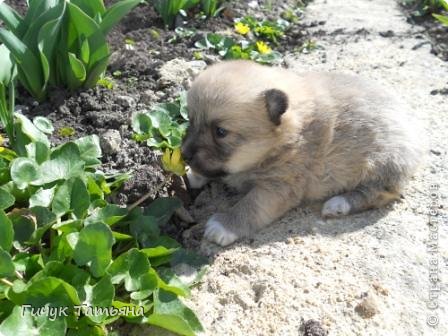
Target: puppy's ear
(276, 104)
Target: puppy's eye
(220, 132)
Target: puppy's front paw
(216, 232)
(196, 181)
(335, 207)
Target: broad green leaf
(109, 215)
(6, 231)
(83, 25)
(141, 123)
(144, 228)
(85, 51)
(128, 268)
(170, 313)
(90, 149)
(24, 171)
(76, 72)
(44, 219)
(38, 151)
(46, 290)
(6, 68)
(115, 13)
(91, 7)
(29, 130)
(65, 163)
(162, 209)
(61, 200)
(42, 197)
(100, 295)
(29, 65)
(43, 124)
(79, 198)
(6, 265)
(70, 273)
(6, 200)
(46, 42)
(94, 248)
(10, 17)
(96, 71)
(24, 224)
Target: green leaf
(76, 73)
(441, 18)
(100, 295)
(79, 198)
(46, 290)
(31, 71)
(38, 151)
(43, 124)
(115, 13)
(162, 209)
(170, 313)
(24, 171)
(94, 248)
(6, 265)
(42, 197)
(65, 163)
(143, 228)
(6, 200)
(24, 324)
(6, 232)
(90, 149)
(85, 51)
(71, 196)
(10, 17)
(141, 123)
(159, 251)
(109, 215)
(96, 71)
(128, 268)
(29, 130)
(91, 7)
(24, 225)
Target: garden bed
(142, 74)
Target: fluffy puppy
(283, 137)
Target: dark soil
(136, 77)
(437, 33)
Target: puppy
(282, 138)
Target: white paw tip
(196, 181)
(217, 233)
(335, 207)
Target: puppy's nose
(187, 153)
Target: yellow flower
(263, 48)
(1, 143)
(242, 28)
(173, 162)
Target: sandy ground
(367, 274)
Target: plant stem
(148, 195)
(20, 276)
(6, 282)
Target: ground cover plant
(62, 244)
(254, 42)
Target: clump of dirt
(313, 328)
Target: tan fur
(339, 135)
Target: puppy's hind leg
(362, 198)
